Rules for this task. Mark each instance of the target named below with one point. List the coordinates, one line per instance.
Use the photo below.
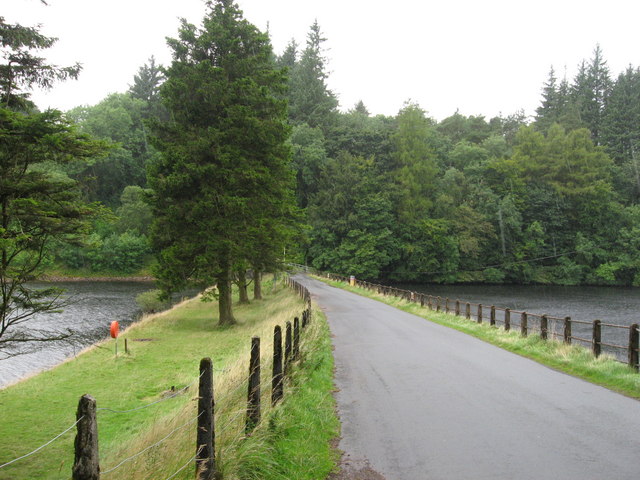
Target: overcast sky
(486, 57)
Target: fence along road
(419, 401)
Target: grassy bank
(165, 350)
(572, 359)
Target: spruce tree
(223, 184)
(310, 100)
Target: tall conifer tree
(223, 184)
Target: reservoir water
(93, 306)
(611, 305)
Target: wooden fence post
(86, 465)
(567, 331)
(597, 338)
(422, 299)
(479, 313)
(446, 305)
(287, 348)
(523, 324)
(492, 315)
(507, 319)
(205, 434)
(277, 386)
(429, 303)
(253, 394)
(457, 308)
(438, 301)
(467, 312)
(296, 338)
(544, 327)
(633, 346)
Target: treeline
(408, 198)
(117, 181)
(466, 199)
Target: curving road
(419, 401)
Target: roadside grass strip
(147, 400)
(571, 359)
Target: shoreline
(63, 278)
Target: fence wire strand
(42, 446)
(182, 467)
(128, 459)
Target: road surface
(419, 401)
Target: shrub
(150, 302)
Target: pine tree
(146, 83)
(621, 129)
(310, 100)
(223, 187)
(590, 92)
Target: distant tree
(550, 108)
(147, 82)
(621, 131)
(134, 213)
(360, 108)
(590, 92)
(309, 158)
(352, 219)
(146, 87)
(289, 57)
(415, 164)
(217, 187)
(310, 100)
(119, 118)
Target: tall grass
(572, 359)
(162, 365)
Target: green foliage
(134, 214)
(151, 301)
(310, 100)
(221, 196)
(122, 253)
(352, 219)
(119, 118)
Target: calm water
(94, 305)
(614, 305)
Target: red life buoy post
(115, 329)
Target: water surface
(611, 305)
(94, 305)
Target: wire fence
(223, 417)
(619, 341)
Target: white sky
(482, 57)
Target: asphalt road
(419, 401)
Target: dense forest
(511, 199)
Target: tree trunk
(257, 285)
(242, 286)
(225, 301)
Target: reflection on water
(612, 305)
(94, 305)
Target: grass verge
(572, 359)
(292, 441)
